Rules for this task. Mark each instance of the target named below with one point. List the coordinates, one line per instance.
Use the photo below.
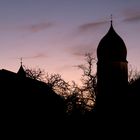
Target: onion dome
(111, 47)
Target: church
(115, 96)
(27, 99)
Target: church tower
(21, 72)
(112, 69)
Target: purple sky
(54, 35)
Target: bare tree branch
(58, 84)
(133, 74)
(35, 73)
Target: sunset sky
(54, 35)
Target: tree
(58, 84)
(35, 73)
(133, 74)
(54, 81)
(89, 78)
(79, 99)
(82, 98)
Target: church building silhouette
(116, 98)
(112, 71)
(27, 99)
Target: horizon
(54, 35)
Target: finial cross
(21, 60)
(111, 17)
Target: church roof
(111, 47)
(21, 72)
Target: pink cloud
(81, 50)
(39, 55)
(36, 56)
(91, 26)
(131, 15)
(37, 27)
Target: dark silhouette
(112, 72)
(26, 100)
(117, 102)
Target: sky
(55, 35)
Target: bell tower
(112, 69)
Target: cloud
(131, 15)
(81, 50)
(36, 56)
(64, 67)
(91, 26)
(37, 27)
(39, 55)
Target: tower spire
(21, 61)
(21, 71)
(111, 19)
